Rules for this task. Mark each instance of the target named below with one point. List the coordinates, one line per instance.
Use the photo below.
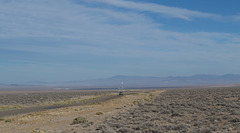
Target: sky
(72, 40)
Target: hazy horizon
(72, 40)
(137, 81)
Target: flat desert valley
(192, 110)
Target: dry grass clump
(79, 120)
(99, 113)
(37, 130)
(8, 107)
(9, 120)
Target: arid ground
(196, 110)
(59, 120)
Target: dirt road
(48, 107)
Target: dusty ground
(202, 110)
(20, 99)
(59, 120)
(182, 110)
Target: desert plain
(191, 110)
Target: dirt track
(41, 108)
(60, 120)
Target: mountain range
(142, 81)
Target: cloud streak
(92, 30)
(64, 34)
(94, 27)
(161, 9)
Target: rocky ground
(183, 110)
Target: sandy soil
(84, 101)
(59, 120)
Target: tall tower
(122, 87)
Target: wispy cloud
(161, 9)
(108, 40)
(236, 18)
(92, 29)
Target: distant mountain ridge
(143, 81)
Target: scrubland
(182, 110)
(196, 110)
(20, 99)
(88, 115)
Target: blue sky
(65, 40)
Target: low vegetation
(17, 100)
(79, 120)
(9, 107)
(9, 120)
(186, 110)
(99, 113)
(37, 130)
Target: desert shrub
(136, 102)
(1, 119)
(174, 114)
(105, 128)
(125, 130)
(79, 120)
(37, 130)
(9, 120)
(235, 120)
(99, 113)
(206, 130)
(206, 111)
